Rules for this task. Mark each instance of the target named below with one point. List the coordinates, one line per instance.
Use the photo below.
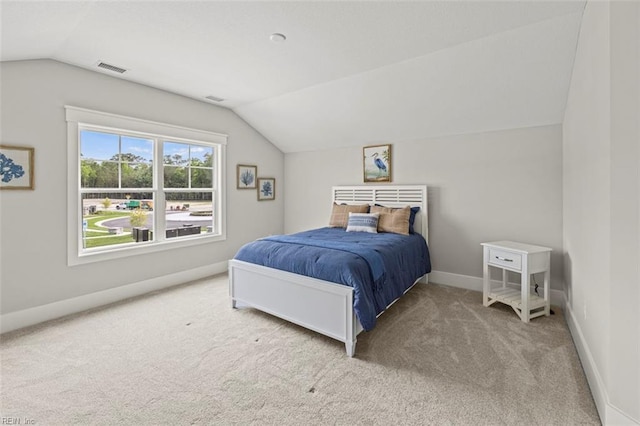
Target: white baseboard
(596, 384)
(475, 283)
(609, 414)
(456, 280)
(38, 314)
(618, 418)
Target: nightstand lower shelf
(513, 298)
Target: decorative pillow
(363, 222)
(412, 217)
(340, 214)
(393, 220)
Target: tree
(89, 173)
(201, 178)
(128, 157)
(136, 175)
(175, 177)
(175, 160)
(107, 175)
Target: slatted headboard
(389, 196)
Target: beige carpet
(183, 356)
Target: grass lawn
(107, 241)
(93, 230)
(92, 219)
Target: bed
(323, 305)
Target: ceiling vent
(109, 67)
(214, 98)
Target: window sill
(142, 248)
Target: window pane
(109, 218)
(176, 154)
(189, 213)
(98, 145)
(137, 175)
(98, 174)
(201, 155)
(113, 161)
(176, 177)
(136, 149)
(201, 178)
(89, 173)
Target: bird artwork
(377, 163)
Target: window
(140, 186)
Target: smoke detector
(277, 37)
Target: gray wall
(482, 187)
(601, 146)
(34, 267)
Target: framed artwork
(16, 167)
(376, 163)
(246, 178)
(266, 189)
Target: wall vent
(214, 98)
(109, 67)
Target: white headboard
(389, 196)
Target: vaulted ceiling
(349, 73)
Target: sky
(103, 146)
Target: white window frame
(79, 117)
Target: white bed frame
(318, 305)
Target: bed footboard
(321, 306)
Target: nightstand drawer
(505, 259)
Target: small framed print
(16, 167)
(246, 178)
(266, 189)
(377, 163)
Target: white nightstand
(525, 259)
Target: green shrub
(138, 218)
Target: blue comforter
(379, 267)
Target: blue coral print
(266, 190)
(9, 170)
(246, 178)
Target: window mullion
(119, 161)
(159, 216)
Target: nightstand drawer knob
(504, 259)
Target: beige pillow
(340, 214)
(393, 220)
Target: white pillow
(363, 222)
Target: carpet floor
(182, 356)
